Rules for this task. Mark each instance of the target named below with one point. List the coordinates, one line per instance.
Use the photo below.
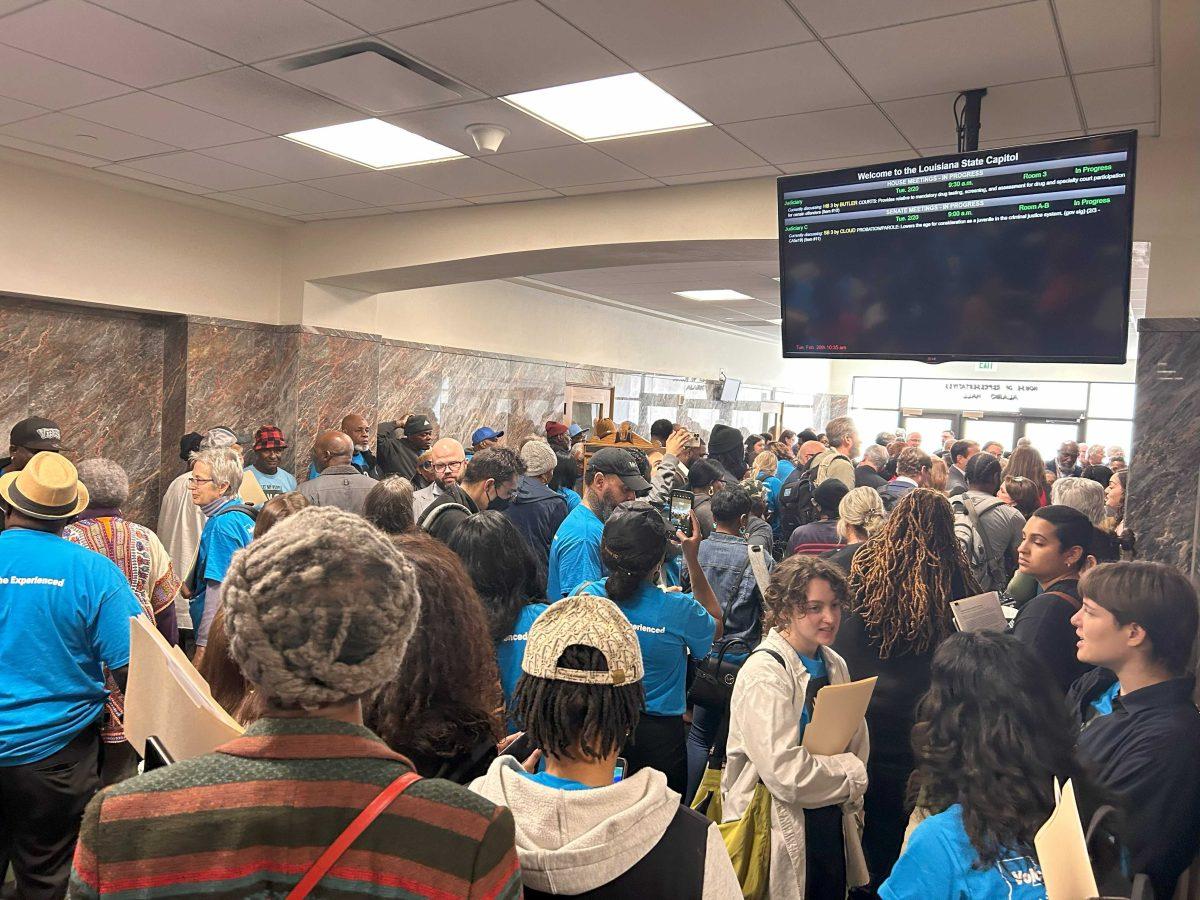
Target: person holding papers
(991, 737)
(815, 800)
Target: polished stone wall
(1163, 507)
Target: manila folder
(1062, 852)
(837, 713)
(167, 697)
(982, 612)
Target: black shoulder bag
(713, 676)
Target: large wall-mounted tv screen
(1017, 254)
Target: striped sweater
(250, 819)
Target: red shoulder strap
(335, 850)
(1074, 601)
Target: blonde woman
(860, 515)
(766, 465)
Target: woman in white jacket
(816, 801)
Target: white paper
(981, 612)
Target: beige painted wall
(69, 237)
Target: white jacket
(764, 743)
(575, 841)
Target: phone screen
(681, 506)
(619, 769)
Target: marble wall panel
(17, 339)
(1163, 506)
(336, 374)
(174, 409)
(537, 392)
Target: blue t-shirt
(669, 624)
(572, 498)
(783, 469)
(64, 614)
(356, 460)
(574, 553)
(1103, 704)
(939, 864)
(273, 485)
(553, 781)
(816, 669)
(223, 535)
(511, 650)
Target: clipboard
(981, 612)
(166, 697)
(1062, 850)
(837, 714)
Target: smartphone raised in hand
(681, 511)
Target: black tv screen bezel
(810, 180)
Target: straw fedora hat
(47, 488)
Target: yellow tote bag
(747, 839)
(707, 801)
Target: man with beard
(360, 432)
(400, 443)
(447, 458)
(612, 478)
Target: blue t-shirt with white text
(669, 625)
(64, 615)
(511, 650)
(281, 482)
(574, 552)
(939, 864)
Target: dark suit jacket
(865, 476)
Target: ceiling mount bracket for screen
(967, 125)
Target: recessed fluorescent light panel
(712, 295)
(374, 143)
(606, 108)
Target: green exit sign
(985, 367)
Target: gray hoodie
(575, 841)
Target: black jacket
(395, 456)
(1044, 625)
(536, 511)
(445, 522)
(1144, 751)
(865, 476)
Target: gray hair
(106, 481)
(838, 430)
(876, 455)
(218, 439)
(320, 609)
(1082, 494)
(863, 508)
(225, 466)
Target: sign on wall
(999, 395)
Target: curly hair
(788, 590)
(992, 732)
(444, 700)
(903, 578)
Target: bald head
(449, 459)
(358, 429)
(332, 448)
(808, 450)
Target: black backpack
(796, 504)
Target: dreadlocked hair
(562, 717)
(903, 578)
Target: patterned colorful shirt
(251, 818)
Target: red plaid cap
(269, 438)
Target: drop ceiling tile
(300, 198)
(447, 125)
(609, 187)
(79, 136)
(151, 178)
(286, 159)
(852, 131)
(844, 16)
(560, 166)
(246, 30)
(1122, 95)
(79, 159)
(15, 110)
(1009, 111)
(844, 162)
(380, 15)
(377, 189)
(975, 49)
(11, 6)
(1106, 34)
(213, 174)
(106, 44)
(253, 204)
(682, 152)
(666, 32)
(259, 100)
(519, 46)
(778, 82)
(518, 197)
(50, 84)
(729, 175)
(156, 117)
(465, 178)
(1033, 139)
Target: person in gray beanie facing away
(536, 510)
(319, 613)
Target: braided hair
(903, 578)
(561, 717)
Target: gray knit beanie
(320, 609)
(538, 456)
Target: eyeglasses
(192, 482)
(446, 467)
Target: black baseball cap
(36, 433)
(615, 461)
(189, 444)
(417, 425)
(635, 525)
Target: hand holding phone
(681, 511)
(619, 769)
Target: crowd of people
(472, 668)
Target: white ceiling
(191, 94)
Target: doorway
(584, 404)
(1045, 429)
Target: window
(871, 422)
(1111, 432)
(1112, 401)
